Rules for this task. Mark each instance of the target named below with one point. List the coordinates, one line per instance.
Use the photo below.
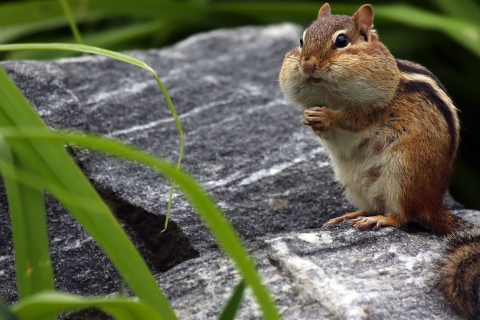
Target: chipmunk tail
(461, 274)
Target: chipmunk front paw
(319, 118)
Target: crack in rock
(165, 249)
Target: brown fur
(461, 271)
(365, 105)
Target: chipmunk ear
(324, 10)
(363, 19)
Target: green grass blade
(169, 205)
(121, 57)
(79, 48)
(29, 229)
(39, 305)
(230, 310)
(71, 21)
(204, 205)
(121, 290)
(182, 144)
(36, 182)
(52, 163)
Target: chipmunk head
(340, 63)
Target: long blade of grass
(124, 58)
(231, 308)
(42, 304)
(29, 229)
(71, 21)
(34, 181)
(78, 48)
(59, 172)
(204, 205)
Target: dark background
(442, 35)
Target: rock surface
(247, 147)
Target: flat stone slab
(245, 144)
(337, 272)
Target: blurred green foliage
(443, 35)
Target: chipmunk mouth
(315, 80)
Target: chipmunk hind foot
(376, 222)
(348, 216)
(363, 221)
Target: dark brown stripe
(430, 93)
(404, 67)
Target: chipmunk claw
(317, 118)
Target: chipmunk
(391, 132)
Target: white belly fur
(352, 164)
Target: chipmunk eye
(341, 41)
(301, 43)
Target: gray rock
(246, 146)
(338, 273)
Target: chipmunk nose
(309, 65)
